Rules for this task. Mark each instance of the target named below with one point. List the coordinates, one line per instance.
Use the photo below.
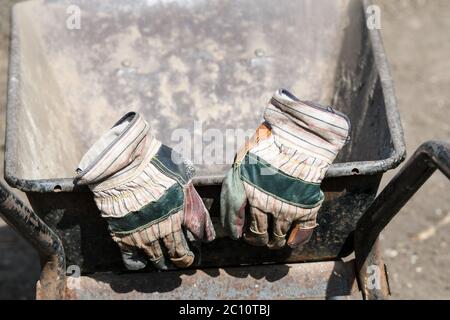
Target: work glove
(144, 191)
(278, 173)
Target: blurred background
(416, 244)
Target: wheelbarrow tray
(185, 64)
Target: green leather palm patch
(270, 180)
(172, 165)
(169, 203)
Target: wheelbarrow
(76, 66)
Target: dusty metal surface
(193, 66)
(423, 163)
(318, 280)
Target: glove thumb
(196, 216)
(233, 201)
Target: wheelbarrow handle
(428, 157)
(29, 225)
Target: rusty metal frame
(314, 280)
(42, 238)
(423, 163)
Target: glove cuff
(301, 125)
(119, 154)
(157, 177)
(127, 169)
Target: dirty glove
(143, 189)
(279, 171)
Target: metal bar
(316, 280)
(42, 238)
(428, 157)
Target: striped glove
(279, 171)
(143, 189)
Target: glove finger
(171, 233)
(282, 221)
(233, 201)
(196, 216)
(152, 247)
(257, 232)
(303, 228)
(178, 249)
(299, 235)
(131, 257)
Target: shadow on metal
(316, 280)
